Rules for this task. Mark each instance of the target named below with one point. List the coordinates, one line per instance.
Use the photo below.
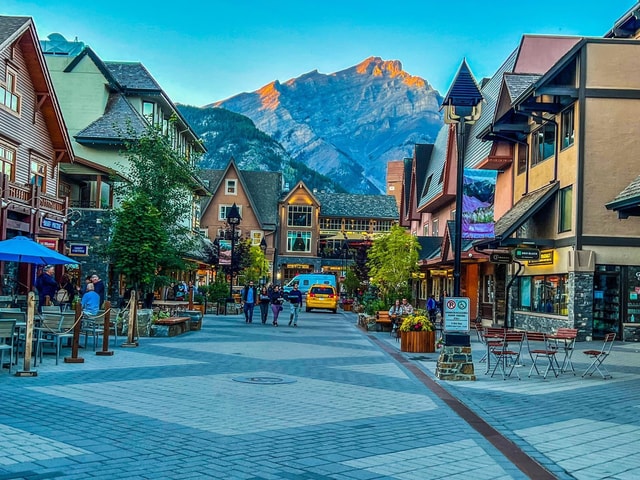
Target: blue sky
(204, 51)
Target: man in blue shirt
(249, 297)
(90, 301)
(295, 300)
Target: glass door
(606, 300)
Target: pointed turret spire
(464, 91)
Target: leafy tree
(351, 282)
(139, 239)
(392, 260)
(160, 183)
(258, 265)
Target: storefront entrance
(616, 302)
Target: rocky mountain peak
(346, 125)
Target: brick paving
(322, 401)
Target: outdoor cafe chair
(539, 347)
(7, 340)
(492, 338)
(53, 329)
(92, 325)
(568, 338)
(508, 353)
(599, 356)
(20, 318)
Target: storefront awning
(520, 213)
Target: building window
(223, 209)
(231, 187)
(358, 225)
(543, 143)
(256, 237)
(148, 110)
(298, 241)
(38, 175)
(299, 216)
(425, 230)
(568, 128)
(382, 226)
(7, 159)
(543, 294)
(331, 223)
(434, 229)
(8, 92)
(522, 158)
(488, 284)
(566, 209)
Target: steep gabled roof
(262, 189)
(432, 186)
(23, 31)
(112, 126)
(358, 206)
(133, 76)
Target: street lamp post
(263, 247)
(233, 219)
(462, 107)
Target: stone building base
(455, 363)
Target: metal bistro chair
(7, 340)
(508, 354)
(538, 346)
(20, 318)
(92, 325)
(599, 356)
(53, 329)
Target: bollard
(105, 332)
(133, 321)
(74, 358)
(28, 339)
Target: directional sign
(500, 257)
(456, 314)
(526, 253)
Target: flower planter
(347, 307)
(418, 342)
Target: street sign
(500, 257)
(526, 253)
(456, 314)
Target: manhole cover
(263, 380)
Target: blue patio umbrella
(24, 250)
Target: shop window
(565, 216)
(299, 216)
(543, 294)
(568, 129)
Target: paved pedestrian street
(322, 401)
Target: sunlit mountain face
(346, 125)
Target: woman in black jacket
(276, 303)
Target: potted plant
(417, 334)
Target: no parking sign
(456, 314)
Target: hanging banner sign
(224, 252)
(478, 194)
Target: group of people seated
(397, 311)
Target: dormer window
(231, 187)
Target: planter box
(418, 342)
(347, 307)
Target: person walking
(249, 298)
(46, 285)
(276, 303)
(264, 304)
(432, 308)
(295, 300)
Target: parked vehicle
(305, 280)
(322, 296)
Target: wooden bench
(170, 326)
(383, 321)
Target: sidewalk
(322, 401)
(584, 428)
